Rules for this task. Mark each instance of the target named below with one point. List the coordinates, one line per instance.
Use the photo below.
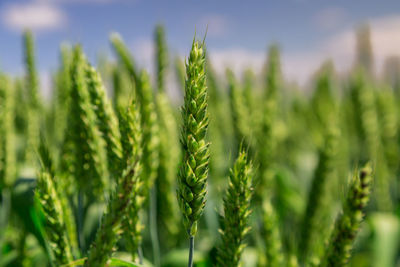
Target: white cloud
(385, 39)
(46, 84)
(330, 18)
(143, 51)
(237, 59)
(217, 24)
(35, 16)
(299, 66)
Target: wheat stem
(191, 251)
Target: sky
(239, 32)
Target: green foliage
(62, 94)
(169, 150)
(7, 138)
(273, 74)
(124, 56)
(122, 86)
(348, 223)
(59, 184)
(169, 155)
(366, 117)
(32, 89)
(267, 141)
(240, 119)
(118, 205)
(150, 140)
(162, 57)
(148, 116)
(115, 180)
(314, 219)
(131, 138)
(107, 121)
(54, 218)
(273, 255)
(88, 152)
(236, 212)
(32, 80)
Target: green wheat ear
(131, 139)
(60, 187)
(169, 154)
(122, 214)
(236, 212)
(248, 93)
(111, 223)
(150, 141)
(62, 93)
(7, 135)
(325, 173)
(32, 80)
(55, 225)
(88, 153)
(193, 173)
(162, 57)
(348, 223)
(122, 86)
(367, 123)
(271, 235)
(238, 111)
(267, 138)
(273, 75)
(32, 87)
(169, 149)
(124, 56)
(107, 121)
(145, 99)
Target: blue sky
(240, 31)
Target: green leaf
(385, 228)
(113, 262)
(8, 258)
(118, 262)
(178, 258)
(24, 205)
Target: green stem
(5, 213)
(153, 227)
(140, 254)
(191, 250)
(80, 222)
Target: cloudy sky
(239, 32)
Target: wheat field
(241, 169)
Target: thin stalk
(153, 227)
(191, 251)
(80, 221)
(4, 213)
(140, 254)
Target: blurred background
(303, 144)
(307, 31)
